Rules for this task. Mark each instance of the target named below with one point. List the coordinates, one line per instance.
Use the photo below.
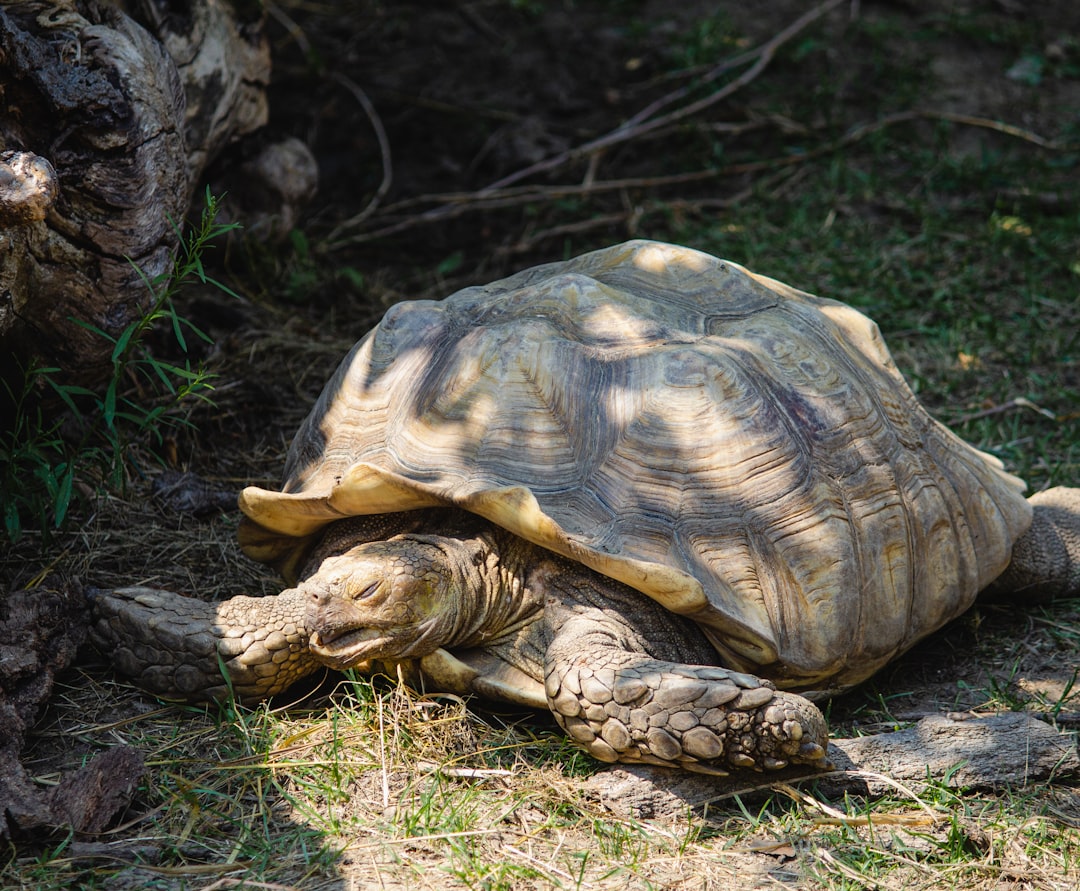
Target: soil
(470, 94)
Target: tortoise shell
(744, 453)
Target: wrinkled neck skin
(408, 594)
(498, 602)
(487, 598)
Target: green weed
(143, 397)
(37, 475)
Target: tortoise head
(382, 600)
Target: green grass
(142, 400)
(398, 787)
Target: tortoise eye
(357, 593)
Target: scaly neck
(496, 602)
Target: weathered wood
(90, 798)
(40, 632)
(28, 188)
(978, 753)
(222, 56)
(96, 96)
(128, 118)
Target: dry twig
(643, 122)
(384, 152)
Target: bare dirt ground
(426, 120)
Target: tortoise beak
(346, 647)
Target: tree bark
(126, 120)
(40, 632)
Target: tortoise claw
(812, 753)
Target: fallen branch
(961, 752)
(384, 152)
(1018, 402)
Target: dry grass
(378, 787)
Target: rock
(188, 493)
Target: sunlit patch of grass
(1007, 839)
(380, 784)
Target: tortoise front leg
(177, 647)
(621, 680)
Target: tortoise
(670, 500)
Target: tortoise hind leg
(1046, 559)
(621, 683)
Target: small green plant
(139, 398)
(36, 477)
(1003, 692)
